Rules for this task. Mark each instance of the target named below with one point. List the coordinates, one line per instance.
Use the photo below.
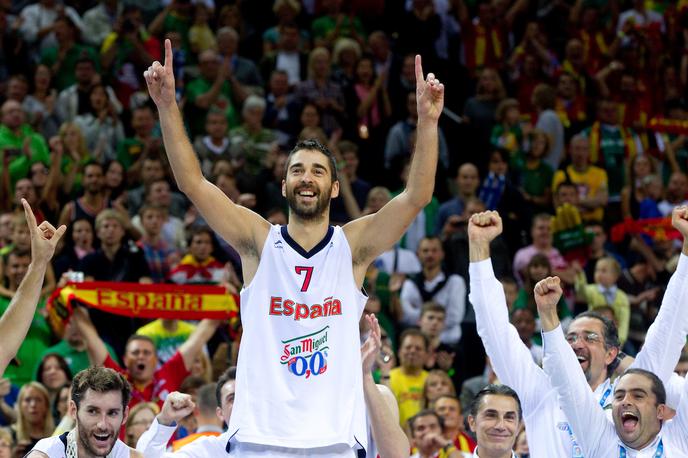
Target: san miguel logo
(306, 355)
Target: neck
(596, 383)
(110, 250)
(36, 430)
(542, 246)
(580, 167)
(93, 197)
(409, 370)
(487, 453)
(431, 272)
(217, 140)
(307, 233)
(597, 253)
(170, 325)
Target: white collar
(475, 453)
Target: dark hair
(227, 376)
(503, 154)
(424, 413)
(139, 337)
(60, 362)
(657, 385)
(205, 399)
(450, 396)
(314, 145)
(196, 230)
(191, 383)
(414, 332)
(91, 163)
(611, 335)
(101, 380)
(496, 390)
(432, 306)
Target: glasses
(589, 337)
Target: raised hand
(679, 219)
(429, 95)
(484, 227)
(371, 347)
(160, 79)
(547, 295)
(177, 406)
(44, 237)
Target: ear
(611, 355)
(471, 422)
(72, 409)
(335, 189)
(218, 412)
(665, 412)
(284, 188)
(126, 415)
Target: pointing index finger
(30, 218)
(419, 69)
(168, 53)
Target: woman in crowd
(34, 420)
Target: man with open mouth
(642, 428)
(99, 404)
(592, 338)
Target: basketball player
(99, 404)
(297, 383)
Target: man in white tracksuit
(548, 428)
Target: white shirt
(290, 62)
(547, 426)
(595, 433)
(452, 297)
(475, 454)
(56, 447)
(399, 260)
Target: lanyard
(605, 396)
(659, 453)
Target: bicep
(242, 228)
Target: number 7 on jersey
(307, 280)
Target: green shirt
(224, 103)
(534, 179)
(20, 165)
(612, 157)
(29, 355)
(65, 75)
(77, 360)
(325, 25)
(129, 151)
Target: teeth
(581, 358)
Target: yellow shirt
(589, 183)
(166, 342)
(409, 392)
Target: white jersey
(549, 431)
(299, 382)
(56, 447)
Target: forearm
(388, 435)
(421, 182)
(194, 344)
(185, 167)
(15, 322)
(95, 348)
(8, 413)
(478, 251)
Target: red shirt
(165, 380)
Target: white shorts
(245, 449)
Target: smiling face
(53, 375)
(99, 419)
(636, 411)
(586, 337)
(496, 424)
(308, 185)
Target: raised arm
(383, 412)
(194, 344)
(243, 229)
(95, 347)
(374, 234)
(594, 433)
(667, 334)
(15, 322)
(153, 443)
(511, 360)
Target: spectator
(321, 91)
(243, 73)
(159, 195)
(335, 24)
(590, 181)
(523, 320)
(286, 12)
(159, 254)
(633, 193)
(207, 420)
(74, 100)
(39, 25)
(449, 214)
(34, 421)
(449, 408)
(41, 104)
(437, 384)
(675, 194)
(570, 105)
(544, 101)
(100, 125)
(479, 111)
(20, 144)
(72, 349)
(92, 202)
(426, 436)
(131, 150)
(148, 383)
(215, 145)
(117, 259)
(140, 418)
(199, 266)
(286, 56)
(201, 37)
(100, 20)
(407, 380)
(153, 170)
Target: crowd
(568, 117)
